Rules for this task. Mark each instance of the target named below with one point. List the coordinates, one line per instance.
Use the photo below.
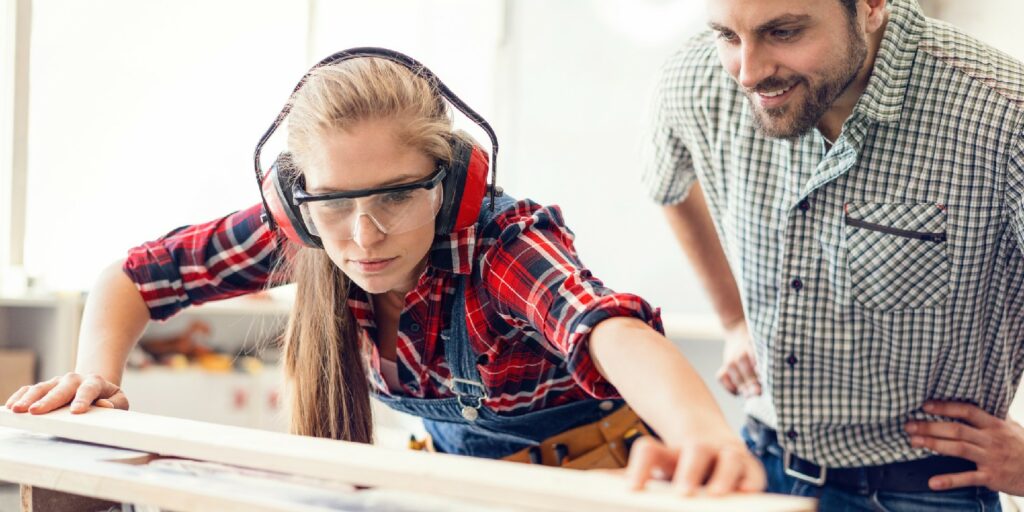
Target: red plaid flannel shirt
(530, 307)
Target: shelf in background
(42, 300)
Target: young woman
(422, 286)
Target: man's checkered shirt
(879, 273)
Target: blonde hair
(328, 389)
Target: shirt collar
(454, 252)
(884, 96)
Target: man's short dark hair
(851, 7)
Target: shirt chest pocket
(897, 255)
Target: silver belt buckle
(819, 481)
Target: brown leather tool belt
(603, 444)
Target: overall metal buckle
(818, 481)
(469, 412)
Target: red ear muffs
(464, 188)
(283, 213)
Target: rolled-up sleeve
(230, 256)
(668, 173)
(533, 275)
(1015, 190)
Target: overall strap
(465, 380)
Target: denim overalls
(462, 425)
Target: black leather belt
(910, 476)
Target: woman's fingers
(754, 478)
(92, 388)
(729, 470)
(58, 396)
(119, 400)
(693, 469)
(720, 468)
(16, 396)
(33, 394)
(648, 459)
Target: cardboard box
(17, 369)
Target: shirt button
(414, 327)
(804, 205)
(606, 405)
(483, 359)
(791, 434)
(796, 284)
(792, 360)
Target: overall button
(796, 284)
(470, 413)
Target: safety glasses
(393, 210)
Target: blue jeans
(834, 498)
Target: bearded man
(863, 167)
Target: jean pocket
(897, 255)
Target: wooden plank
(462, 477)
(75, 468)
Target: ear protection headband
(464, 186)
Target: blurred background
(123, 119)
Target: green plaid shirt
(881, 272)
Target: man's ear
(877, 12)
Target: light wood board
(46, 462)
(501, 483)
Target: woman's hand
(720, 463)
(738, 374)
(79, 390)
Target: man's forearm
(691, 223)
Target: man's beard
(782, 122)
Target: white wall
(8, 34)
(143, 115)
(457, 39)
(997, 22)
(579, 103)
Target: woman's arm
(115, 317)
(533, 274)
(663, 388)
(230, 256)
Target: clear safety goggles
(392, 210)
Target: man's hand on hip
(995, 445)
(738, 373)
